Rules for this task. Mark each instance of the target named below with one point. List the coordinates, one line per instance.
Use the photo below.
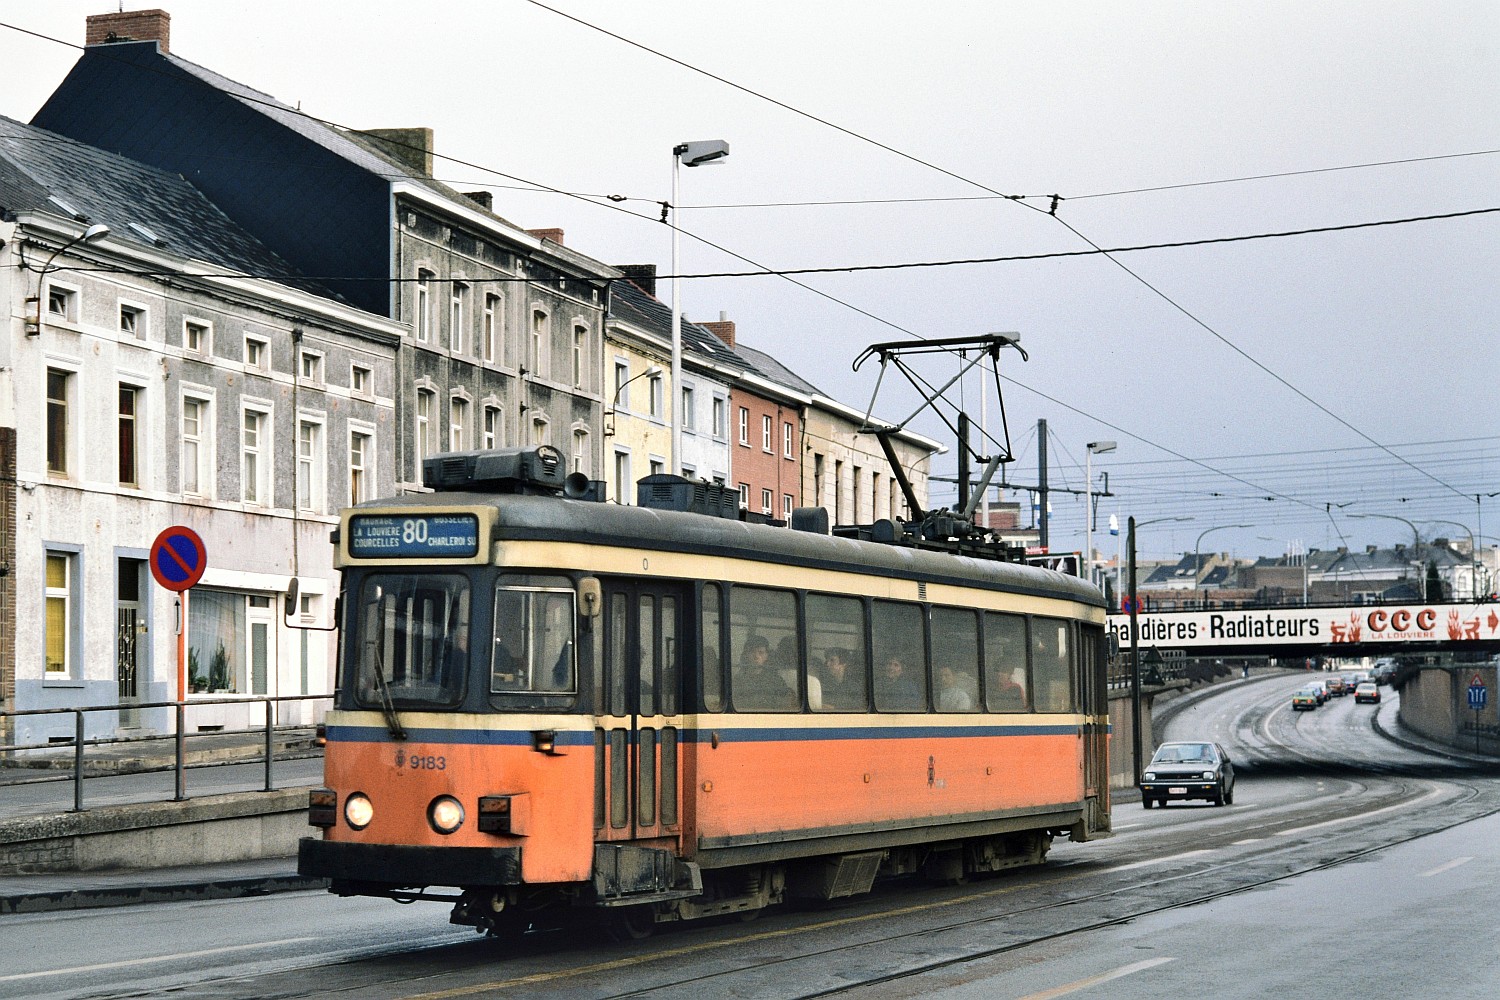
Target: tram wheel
(630, 923)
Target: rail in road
(1318, 792)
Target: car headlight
(359, 810)
(1209, 775)
(1150, 775)
(446, 814)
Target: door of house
(130, 626)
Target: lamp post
(1197, 565)
(1473, 554)
(651, 371)
(1135, 645)
(92, 234)
(684, 154)
(1416, 547)
(1094, 448)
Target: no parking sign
(178, 558)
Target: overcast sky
(1354, 368)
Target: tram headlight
(358, 810)
(445, 814)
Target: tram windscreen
(533, 641)
(413, 646)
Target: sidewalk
(156, 753)
(92, 890)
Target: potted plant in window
(218, 669)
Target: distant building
(172, 371)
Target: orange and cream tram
(664, 712)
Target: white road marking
(1442, 868)
(1157, 861)
(1083, 984)
(1361, 816)
(1252, 840)
(159, 958)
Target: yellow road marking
(1083, 984)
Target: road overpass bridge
(1347, 631)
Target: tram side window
(836, 654)
(533, 647)
(413, 639)
(713, 658)
(1005, 673)
(763, 631)
(1051, 662)
(955, 660)
(619, 637)
(900, 659)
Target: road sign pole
(182, 622)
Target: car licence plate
(1177, 791)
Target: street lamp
(92, 234)
(1473, 554)
(684, 154)
(1197, 567)
(1416, 548)
(1094, 448)
(1135, 645)
(614, 405)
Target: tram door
(638, 764)
(1095, 734)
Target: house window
(311, 367)
(361, 469)
(494, 318)
(59, 389)
(719, 428)
(62, 303)
(657, 404)
(744, 426)
(59, 598)
(580, 345)
(581, 452)
(689, 420)
(492, 430)
(786, 506)
(422, 322)
(458, 423)
(361, 380)
(786, 441)
(257, 354)
(195, 336)
(541, 431)
(426, 445)
(133, 321)
(537, 355)
(745, 496)
(766, 501)
(622, 477)
(255, 457)
(458, 308)
(129, 436)
(622, 385)
(765, 433)
(197, 444)
(310, 465)
(230, 640)
(658, 467)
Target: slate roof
(116, 191)
(777, 372)
(630, 303)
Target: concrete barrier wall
(1121, 744)
(214, 828)
(1435, 704)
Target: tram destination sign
(413, 536)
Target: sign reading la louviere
(1314, 626)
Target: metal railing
(180, 735)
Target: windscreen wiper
(387, 703)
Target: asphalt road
(1348, 865)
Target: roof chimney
(411, 147)
(484, 199)
(723, 327)
(642, 276)
(555, 235)
(129, 26)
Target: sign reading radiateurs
(437, 536)
(1313, 626)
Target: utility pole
(1041, 479)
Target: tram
(550, 705)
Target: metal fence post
(181, 752)
(78, 760)
(269, 785)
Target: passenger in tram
(895, 690)
(758, 684)
(843, 691)
(951, 696)
(1007, 695)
